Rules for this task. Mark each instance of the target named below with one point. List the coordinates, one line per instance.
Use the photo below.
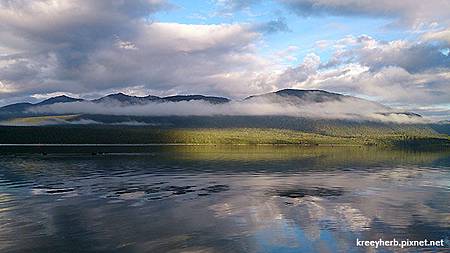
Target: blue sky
(393, 52)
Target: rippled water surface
(223, 199)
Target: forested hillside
(151, 135)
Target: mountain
(16, 108)
(307, 100)
(58, 99)
(126, 99)
(281, 96)
(442, 127)
(210, 99)
(351, 119)
(21, 108)
(295, 96)
(134, 100)
(311, 97)
(117, 98)
(409, 114)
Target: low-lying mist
(345, 108)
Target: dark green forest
(103, 134)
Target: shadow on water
(317, 192)
(222, 199)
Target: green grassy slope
(40, 120)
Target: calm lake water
(223, 199)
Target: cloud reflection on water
(308, 203)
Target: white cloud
(302, 73)
(391, 85)
(337, 109)
(94, 46)
(440, 35)
(400, 72)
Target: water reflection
(221, 199)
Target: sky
(392, 52)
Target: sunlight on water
(235, 199)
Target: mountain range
(315, 101)
(285, 96)
(117, 98)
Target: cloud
(391, 85)
(202, 58)
(416, 56)
(51, 41)
(273, 26)
(414, 13)
(437, 113)
(355, 210)
(399, 73)
(442, 35)
(91, 48)
(286, 55)
(309, 67)
(95, 46)
(230, 6)
(340, 109)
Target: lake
(223, 199)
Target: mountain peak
(16, 108)
(59, 99)
(296, 92)
(294, 95)
(125, 99)
(118, 96)
(210, 99)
